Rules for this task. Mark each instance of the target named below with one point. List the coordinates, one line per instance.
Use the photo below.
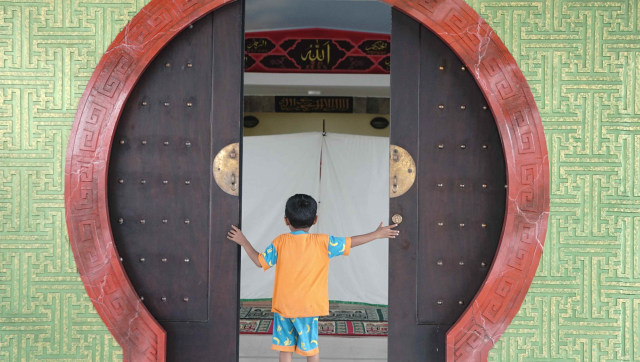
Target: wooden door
(168, 216)
(453, 214)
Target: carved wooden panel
(159, 179)
(527, 200)
(461, 191)
(88, 220)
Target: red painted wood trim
(277, 38)
(473, 40)
(99, 109)
(525, 150)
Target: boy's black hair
(301, 211)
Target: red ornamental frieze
(480, 49)
(317, 51)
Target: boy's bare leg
(285, 356)
(314, 358)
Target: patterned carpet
(344, 319)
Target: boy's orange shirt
(301, 287)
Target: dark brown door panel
(168, 216)
(453, 214)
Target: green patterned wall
(582, 61)
(48, 50)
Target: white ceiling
(356, 15)
(359, 15)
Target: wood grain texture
(527, 209)
(99, 109)
(458, 201)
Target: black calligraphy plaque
(277, 62)
(355, 63)
(375, 47)
(316, 54)
(258, 45)
(314, 104)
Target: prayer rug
(344, 319)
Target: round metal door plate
(226, 167)
(402, 171)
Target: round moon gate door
(153, 173)
(147, 222)
(475, 220)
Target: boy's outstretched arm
(382, 232)
(238, 237)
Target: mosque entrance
(450, 218)
(149, 208)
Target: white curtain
(353, 195)
(355, 198)
(273, 169)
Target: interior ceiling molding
(299, 84)
(472, 39)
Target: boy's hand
(237, 236)
(384, 232)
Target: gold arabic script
(318, 52)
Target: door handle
(397, 218)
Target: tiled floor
(257, 347)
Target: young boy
(300, 291)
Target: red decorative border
(525, 150)
(472, 39)
(353, 51)
(135, 329)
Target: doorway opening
(324, 133)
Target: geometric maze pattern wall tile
(582, 62)
(48, 50)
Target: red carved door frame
(459, 26)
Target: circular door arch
(459, 26)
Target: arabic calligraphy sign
(317, 51)
(315, 54)
(315, 104)
(258, 45)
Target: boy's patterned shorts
(295, 334)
